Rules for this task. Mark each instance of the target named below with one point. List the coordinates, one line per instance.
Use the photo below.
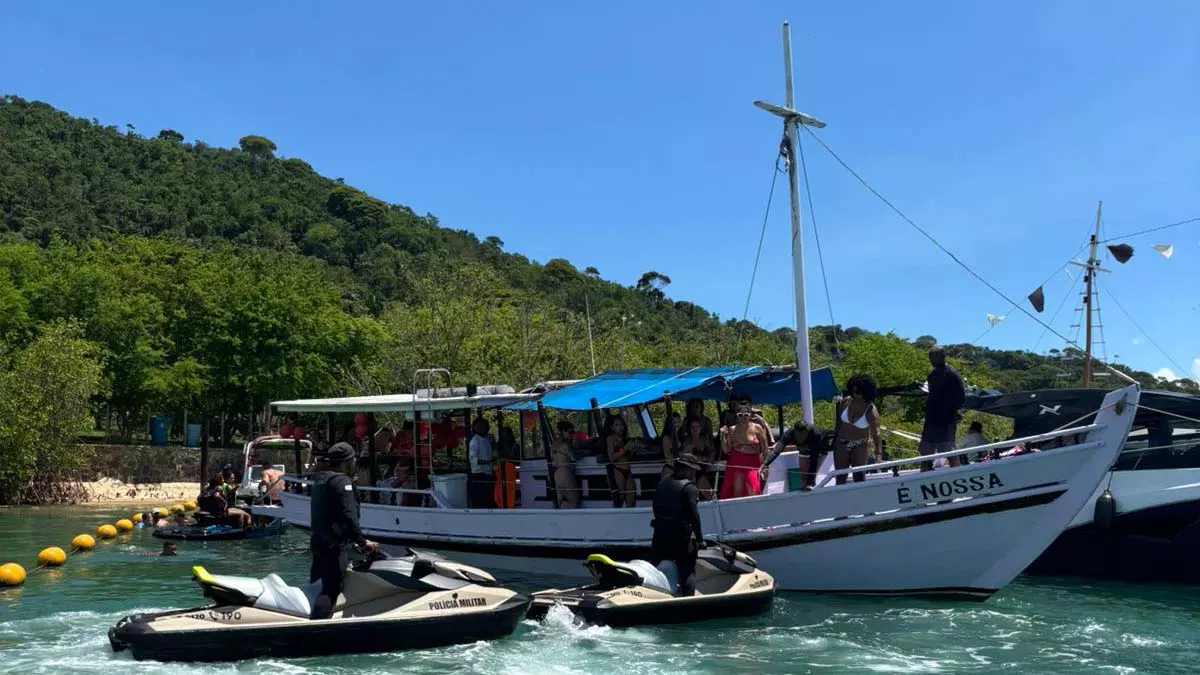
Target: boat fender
(1106, 510)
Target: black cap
(340, 452)
(689, 460)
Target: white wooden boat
(963, 531)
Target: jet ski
(728, 584)
(388, 604)
(219, 532)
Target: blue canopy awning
(621, 388)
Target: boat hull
(1154, 535)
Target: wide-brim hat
(340, 452)
(689, 460)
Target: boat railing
(974, 450)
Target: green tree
(44, 404)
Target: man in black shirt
(677, 534)
(809, 441)
(946, 396)
(333, 512)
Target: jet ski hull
(727, 583)
(673, 611)
(305, 638)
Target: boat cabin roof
(1035, 412)
(485, 396)
(623, 388)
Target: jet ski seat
(612, 574)
(270, 593)
(281, 597)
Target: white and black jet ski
(387, 604)
(728, 584)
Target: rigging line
(1169, 414)
(1149, 230)
(812, 215)
(1183, 372)
(930, 237)
(757, 255)
(1061, 304)
(1052, 275)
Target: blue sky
(621, 135)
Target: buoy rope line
(13, 574)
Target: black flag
(1122, 252)
(1038, 300)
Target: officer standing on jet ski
(334, 518)
(677, 532)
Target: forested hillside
(215, 280)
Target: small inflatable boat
(219, 532)
(728, 584)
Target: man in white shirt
(479, 454)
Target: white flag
(1165, 250)
(994, 320)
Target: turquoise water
(57, 622)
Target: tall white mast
(791, 122)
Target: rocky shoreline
(112, 491)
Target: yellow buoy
(52, 557)
(83, 542)
(190, 505)
(162, 512)
(106, 531)
(124, 524)
(12, 574)
(177, 508)
(137, 518)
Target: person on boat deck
(404, 479)
(479, 454)
(695, 410)
(809, 442)
(946, 396)
(563, 454)
(212, 501)
(617, 447)
(333, 515)
(677, 531)
(745, 444)
(857, 428)
(974, 439)
(743, 403)
(699, 444)
(229, 484)
(272, 483)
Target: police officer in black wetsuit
(677, 534)
(333, 513)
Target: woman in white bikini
(857, 426)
